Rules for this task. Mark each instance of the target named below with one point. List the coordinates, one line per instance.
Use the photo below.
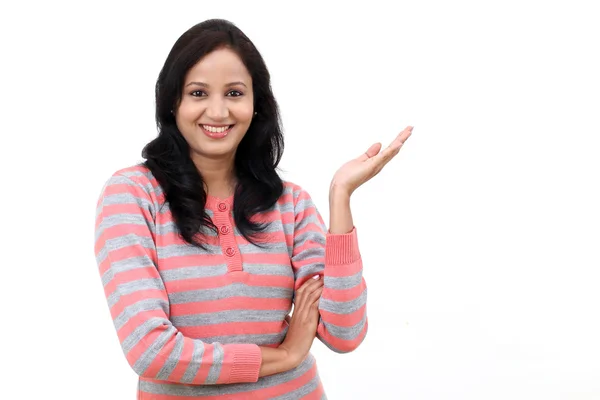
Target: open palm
(361, 169)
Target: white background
(480, 240)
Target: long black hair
(258, 154)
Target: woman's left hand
(358, 171)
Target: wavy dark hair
(257, 156)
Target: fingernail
(316, 277)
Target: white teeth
(215, 129)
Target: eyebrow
(206, 85)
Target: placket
(231, 252)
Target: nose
(217, 109)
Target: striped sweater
(190, 321)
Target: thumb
(373, 151)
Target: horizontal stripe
(140, 306)
(193, 272)
(231, 303)
(141, 331)
(258, 339)
(341, 295)
(171, 362)
(135, 286)
(142, 363)
(339, 345)
(257, 390)
(123, 266)
(302, 391)
(189, 318)
(222, 317)
(181, 250)
(345, 307)
(229, 291)
(343, 282)
(347, 333)
(269, 269)
(233, 328)
(343, 319)
(216, 282)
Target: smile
(216, 132)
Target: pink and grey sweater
(190, 321)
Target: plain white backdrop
(480, 240)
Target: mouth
(216, 132)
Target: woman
(202, 249)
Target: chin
(215, 150)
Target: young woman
(203, 249)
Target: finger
(308, 287)
(371, 152)
(307, 284)
(315, 308)
(314, 304)
(316, 295)
(401, 138)
(311, 282)
(393, 148)
(317, 285)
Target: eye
(234, 93)
(198, 93)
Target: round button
(224, 230)
(230, 251)
(222, 207)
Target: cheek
(244, 113)
(187, 113)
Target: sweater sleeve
(343, 312)
(126, 255)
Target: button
(222, 207)
(224, 230)
(230, 252)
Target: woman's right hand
(304, 321)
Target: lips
(216, 132)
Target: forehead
(219, 67)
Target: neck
(218, 175)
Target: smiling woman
(203, 249)
(217, 107)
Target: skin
(218, 91)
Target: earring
(255, 113)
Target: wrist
(338, 194)
(275, 360)
(289, 358)
(340, 215)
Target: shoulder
(296, 197)
(293, 193)
(134, 179)
(138, 174)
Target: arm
(334, 254)
(139, 304)
(275, 360)
(343, 323)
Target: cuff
(341, 249)
(246, 361)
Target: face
(217, 105)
